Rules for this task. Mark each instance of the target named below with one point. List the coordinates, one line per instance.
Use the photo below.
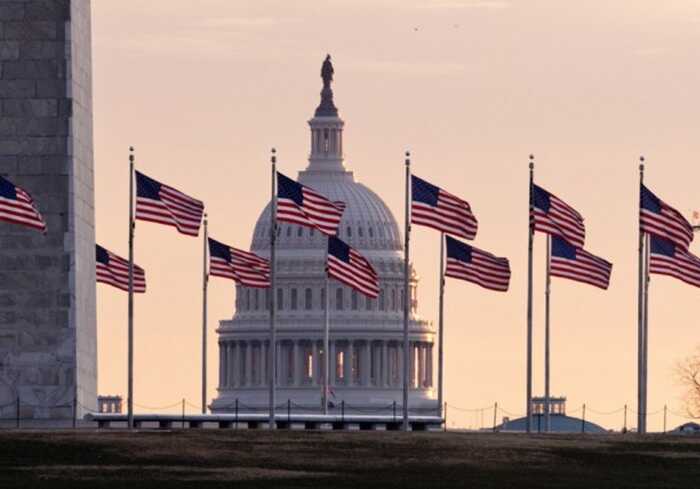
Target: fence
(19, 413)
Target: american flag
(667, 258)
(660, 219)
(247, 269)
(351, 268)
(17, 206)
(433, 207)
(573, 263)
(160, 203)
(474, 265)
(299, 204)
(552, 215)
(114, 270)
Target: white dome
(367, 223)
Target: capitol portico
(366, 335)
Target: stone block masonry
(48, 351)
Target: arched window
(289, 231)
(311, 232)
(370, 230)
(293, 300)
(381, 299)
(368, 303)
(359, 232)
(300, 231)
(308, 298)
(393, 299)
(256, 298)
(339, 299)
(267, 299)
(280, 299)
(247, 299)
(349, 235)
(354, 299)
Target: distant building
(559, 421)
(109, 404)
(366, 335)
(687, 429)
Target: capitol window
(308, 299)
(371, 232)
(339, 298)
(349, 234)
(289, 231)
(256, 299)
(368, 303)
(293, 300)
(381, 299)
(267, 299)
(359, 232)
(247, 299)
(300, 231)
(280, 299)
(354, 299)
(393, 299)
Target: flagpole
(645, 348)
(531, 232)
(326, 342)
(205, 283)
(406, 270)
(441, 331)
(546, 336)
(273, 338)
(640, 319)
(130, 354)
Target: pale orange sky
(204, 89)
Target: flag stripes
(299, 204)
(465, 262)
(17, 207)
(113, 270)
(245, 268)
(157, 202)
(667, 258)
(552, 215)
(433, 207)
(660, 219)
(577, 264)
(348, 266)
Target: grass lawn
(289, 459)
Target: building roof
(559, 424)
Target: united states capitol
(366, 335)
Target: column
(347, 363)
(315, 357)
(237, 366)
(412, 356)
(263, 362)
(248, 378)
(366, 363)
(430, 364)
(420, 354)
(230, 359)
(222, 367)
(332, 362)
(384, 378)
(398, 374)
(296, 363)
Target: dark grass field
(243, 459)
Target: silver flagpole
(326, 342)
(531, 233)
(406, 269)
(272, 304)
(640, 318)
(205, 284)
(645, 349)
(130, 402)
(441, 330)
(546, 336)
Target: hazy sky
(204, 89)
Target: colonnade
(300, 363)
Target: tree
(688, 373)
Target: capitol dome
(366, 335)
